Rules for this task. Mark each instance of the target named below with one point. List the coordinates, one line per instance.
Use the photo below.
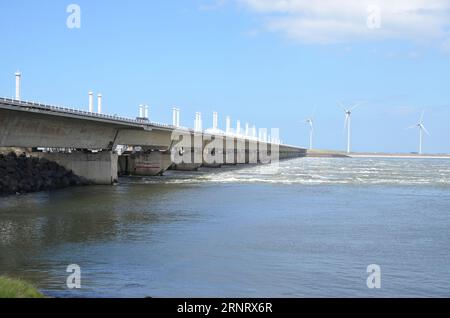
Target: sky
(272, 63)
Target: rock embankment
(22, 174)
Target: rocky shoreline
(20, 174)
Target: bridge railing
(74, 111)
(68, 110)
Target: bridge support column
(251, 152)
(98, 168)
(241, 151)
(229, 151)
(194, 161)
(154, 163)
(213, 152)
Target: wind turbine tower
(348, 123)
(310, 122)
(422, 130)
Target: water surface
(309, 228)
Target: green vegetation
(13, 288)
(325, 151)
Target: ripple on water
(320, 171)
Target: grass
(325, 151)
(15, 288)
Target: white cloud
(343, 21)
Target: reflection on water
(309, 228)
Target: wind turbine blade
(411, 127)
(357, 105)
(425, 130)
(421, 116)
(342, 106)
(309, 122)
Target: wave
(319, 171)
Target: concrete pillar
(230, 153)
(238, 127)
(251, 152)
(185, 150)
(18, 78)
(213, 151)
(268, 153)
(196, 122)
(98, 168)
(99, 103)
(228, 125)
(91, 102)
(240, 150)
(147, 164)
(146, 111)
(187, 166)
(215, 121)
(174, 117)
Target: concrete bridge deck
(35, 125)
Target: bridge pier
(241, 151)
(193, 160)
(230, 151)
(251, 152)
(99, 168)
(154, 163)
(187, 154)
(213, 148)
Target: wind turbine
(422, 129)
(310, 121)
(348, 122)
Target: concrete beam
(19, 128)
(155, 139)
(27, 129)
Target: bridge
(101, 147)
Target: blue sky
(264, 62)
